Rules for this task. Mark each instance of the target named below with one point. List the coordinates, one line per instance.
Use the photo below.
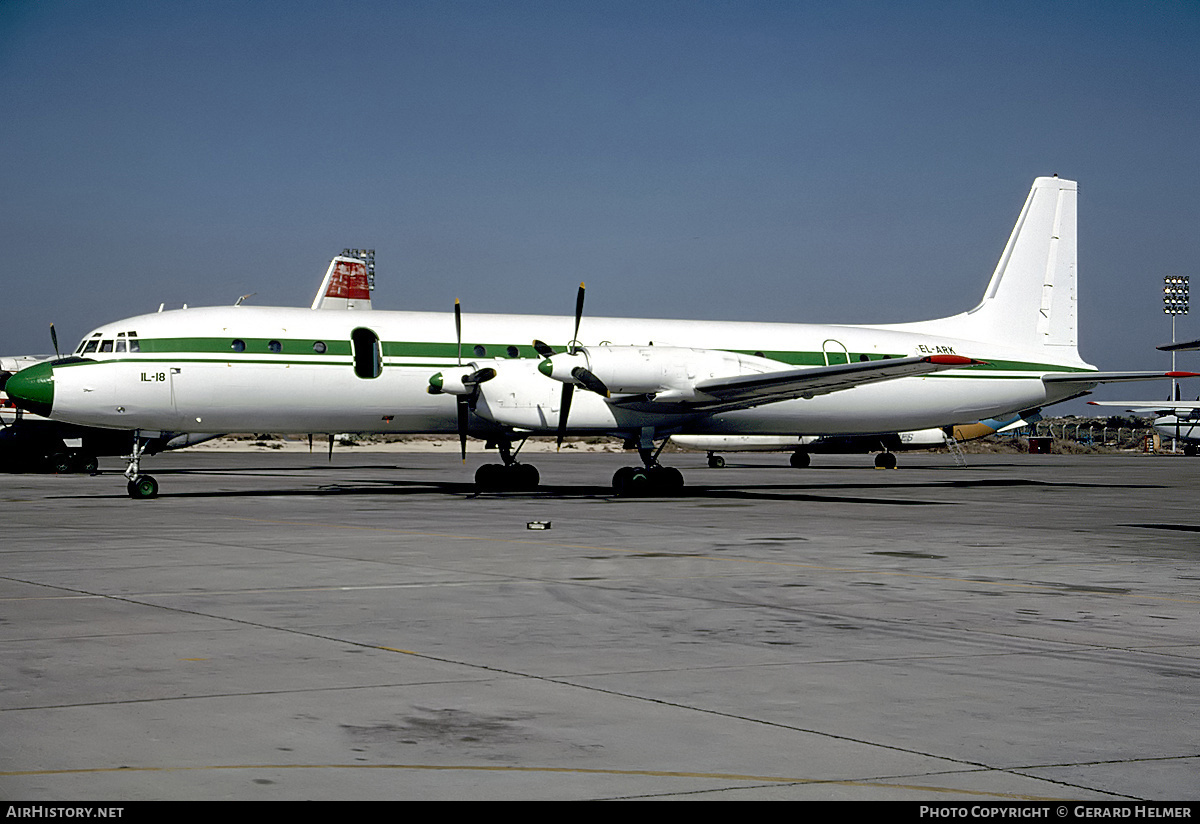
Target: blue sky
(840, 162)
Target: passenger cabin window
(238, 345)
(368, 359)
(480, 351)
(275, 346)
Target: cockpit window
(106, 346)
(120, 345)
(90, 346)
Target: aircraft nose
(32, 389)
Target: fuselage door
(368, 357)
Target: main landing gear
(509, 476)
(140, 486)
(885, 460)
(651, 479)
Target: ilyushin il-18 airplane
(288, 370)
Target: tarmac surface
(275, 626)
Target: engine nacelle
(460, 380)
(652, 370)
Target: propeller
(463, 402)
(580, 375)
(54, 340)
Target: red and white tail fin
(345, 286)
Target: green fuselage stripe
(292, 351)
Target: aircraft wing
(745, 391)
(1180, 409)
(1179, 347)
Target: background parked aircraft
(887, 443)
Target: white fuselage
(298, 370)
(1185, 429)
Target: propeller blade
(463, 409)
(578, 317)
(479, 376)
(564, 410)
(331, 447)
(589, 381)
(458, 328)
(543, 349)
(54, 340)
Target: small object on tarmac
(538, 525)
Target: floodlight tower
(1175, 302)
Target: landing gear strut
(651, 479)
(140, 486)
(509, 476)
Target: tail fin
(1031, 300)
(346, 285)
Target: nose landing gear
(140, 486)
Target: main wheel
(86, 464)
(716, 461)
(800, 459)
(885, 460)
(666, 479)
(142, 487)
(524, 476)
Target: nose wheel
(143, 486)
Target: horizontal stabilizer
(1180, 347)
(1090, 378)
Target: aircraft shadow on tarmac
(283, 483)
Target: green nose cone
(546, 368)
(32, 389)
